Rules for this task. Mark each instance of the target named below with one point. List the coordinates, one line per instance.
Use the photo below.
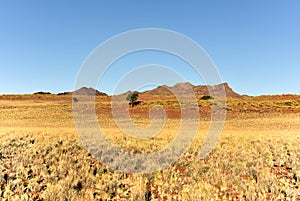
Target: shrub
(207, 97)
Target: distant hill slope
(182, 88)
(85, 91)
(89, 91)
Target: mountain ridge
(178, 88)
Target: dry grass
(257, 157)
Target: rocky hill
(182, 88)
(85, 91)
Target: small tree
(132, 98)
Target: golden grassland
(256, 158)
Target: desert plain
(256, 158)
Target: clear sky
(254, 44)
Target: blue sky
(254, 44)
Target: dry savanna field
(256, 158)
